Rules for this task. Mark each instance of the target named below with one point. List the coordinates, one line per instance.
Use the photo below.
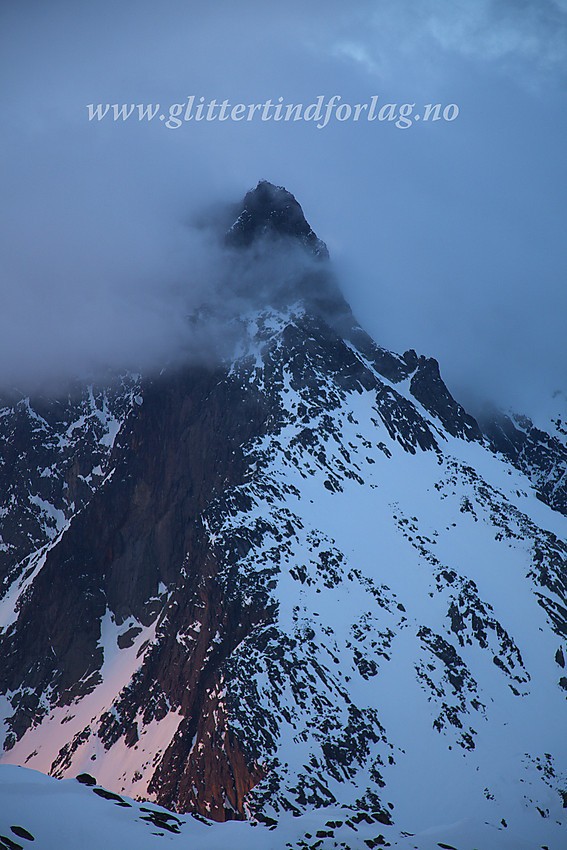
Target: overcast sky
(449, 237)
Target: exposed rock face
(287, 580)
(176, 453)
(272, 211)
(54, 455)
(541, 456)
(427, 387)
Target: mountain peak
(276, 584)
(290, 269)
(273, 211)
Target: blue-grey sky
(449, 237)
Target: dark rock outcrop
(543, 458)
(428, 388)
(271, 211)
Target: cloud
(95, 274)
(448, 238)
(358, 53)
(534, 32)
(523, 38)
(105, 273)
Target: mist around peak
(142, 293)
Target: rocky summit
(299, 587)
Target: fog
(447, 237)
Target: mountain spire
(294, 261)
(270, 210)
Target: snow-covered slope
(52, 814)
(311, 590)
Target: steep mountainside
(301, 578)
